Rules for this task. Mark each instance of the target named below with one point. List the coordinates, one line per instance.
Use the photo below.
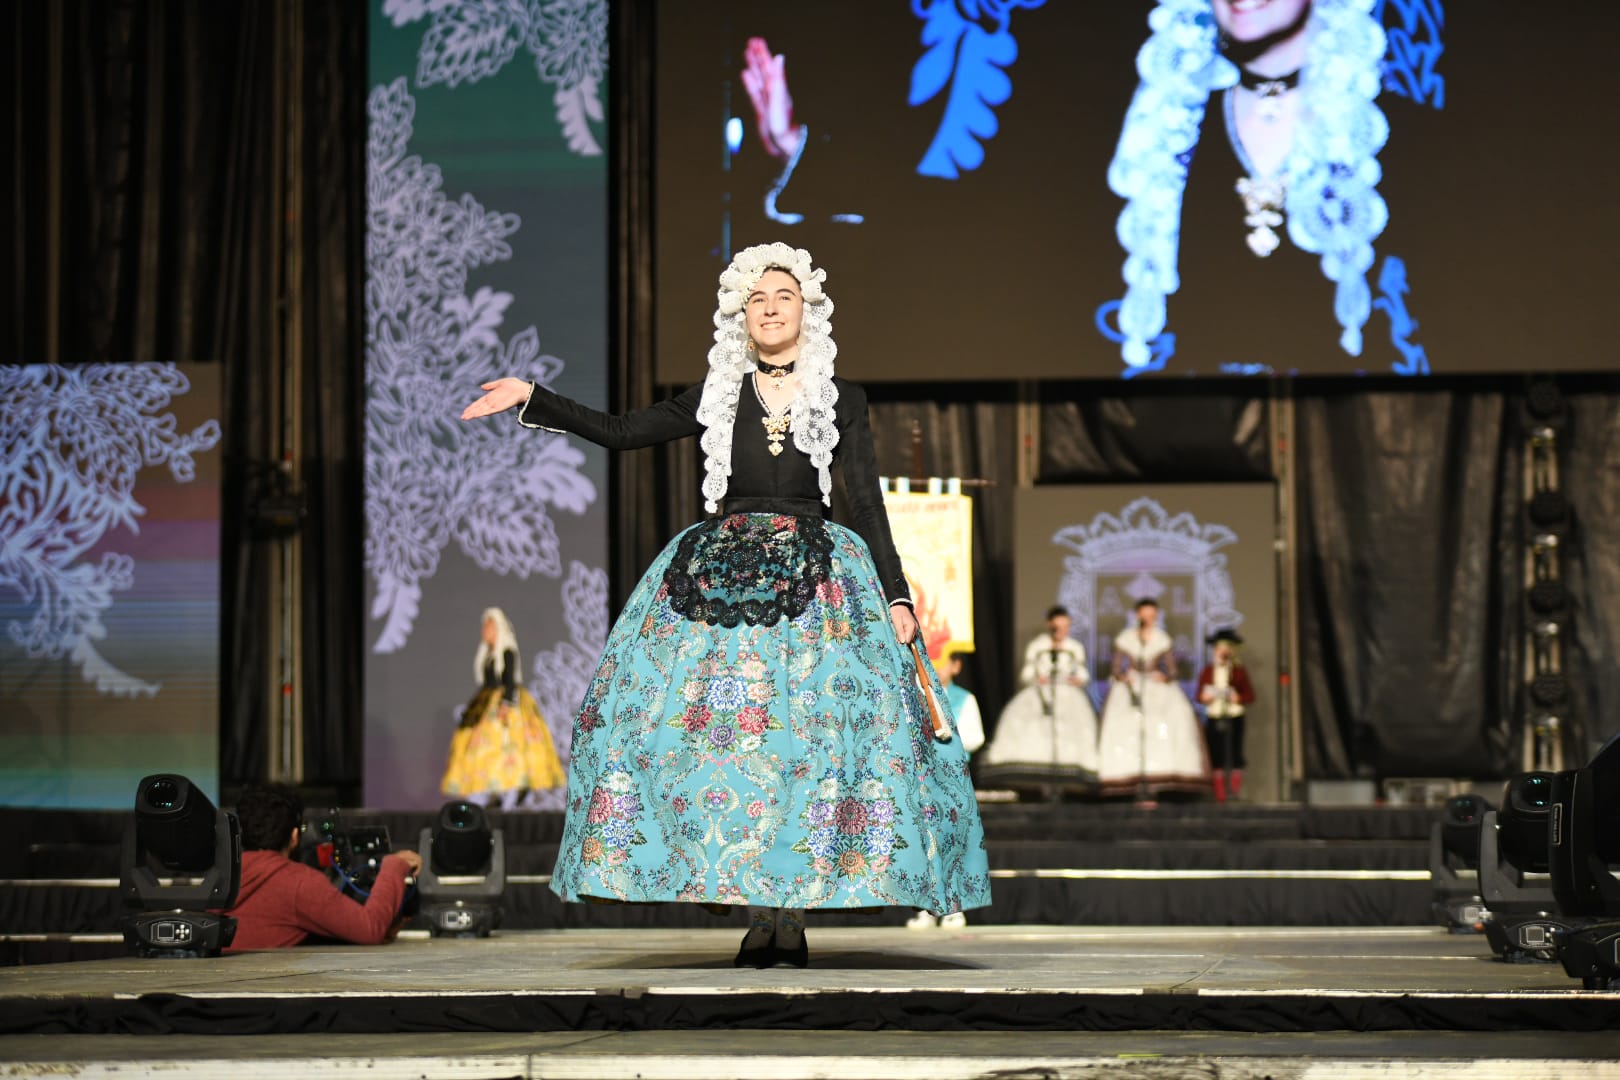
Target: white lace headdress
(1334, 209)
(814, 427)
(504, 639)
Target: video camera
(351, 855)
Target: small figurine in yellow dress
(502, 747)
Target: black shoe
(762, 956)
(799, 957)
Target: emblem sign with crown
(1145, 551)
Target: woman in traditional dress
(1047, 734)
(502, 750)
(756, 733)
(1150, 738)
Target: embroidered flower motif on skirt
(610, 817)
(786, 763)
(848, 835)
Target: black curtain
(188, 185)
(1155, 432)
(1413, 617)
(329, 232)
(1411, 566)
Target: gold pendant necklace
(1263, 202)
(1264, 197)
(776, 424)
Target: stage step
(1191, 864)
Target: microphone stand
(1138, 693)
(1054, 794)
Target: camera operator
(283, 902)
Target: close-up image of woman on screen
(1256, 224)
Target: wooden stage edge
(983, 978)
(821, 1055)
(1118, 1002)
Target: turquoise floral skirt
(756, 735)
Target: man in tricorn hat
(1224, 691)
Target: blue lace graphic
(969, 49)
(1415, 43)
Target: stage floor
(1116, 967)
(880, 1001)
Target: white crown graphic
(1146, 540)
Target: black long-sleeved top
(505, 678)
(788, 481)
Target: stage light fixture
(1549, 509)
(1584, 838)
(1549, 691)
(1454, 864)
(1523, 820)
(1460, 820)
(1546, 732)
(181, 859)
(1549, 598)
(1591, 954)
(463, 874)
(1522, 913)
(1544, 399)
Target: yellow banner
(934, 535)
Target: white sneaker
(921, 921)
(954, 921)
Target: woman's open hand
(503, 394)
(765, 79)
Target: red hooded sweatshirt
(282, 902)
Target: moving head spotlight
(181, 857)
(1454, 864)
(463, 873)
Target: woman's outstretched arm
(673, 419)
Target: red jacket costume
(283, 902)
(1243, 690)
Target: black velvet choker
(775, 371)
(1268, 87)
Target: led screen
(109, 580)
(1104, 188)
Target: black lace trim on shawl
(752, 568)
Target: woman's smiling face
(1255, 20)
(775, 311)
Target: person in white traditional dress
(1151, 741)
(1047, 734)
(970, 729)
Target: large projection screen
(1049, 188)
(109, 580)
(486, 257)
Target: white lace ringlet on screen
(814, 427)
(1334, 209)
